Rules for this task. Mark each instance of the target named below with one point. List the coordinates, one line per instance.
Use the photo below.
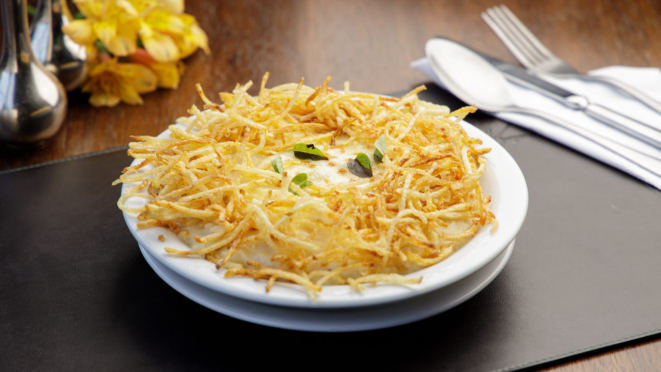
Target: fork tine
(520, 52)
(531, 38)
(514, 34)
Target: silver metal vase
(33, 103)
(54, 49)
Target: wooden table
(370, 43)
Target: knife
(573, 101)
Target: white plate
(336, 320)
(502, 180)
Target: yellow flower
(165, 32)
(111, 81)
(114, 22)
(167, 73)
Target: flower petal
(167, 74)
(186, 47)
(99, 99)
(127, 7)
(194, 35)
(165, 22)
(171, 6)
(124, 43)
(92, 53)
(129, 95)
(142, 57)
(80, 31)
(199, 37)
(97, 69)
(187, 19)
(91, 9)
(160, 46)
(141, 78)
(105, 31)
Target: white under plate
(502, 180)
(337, 320)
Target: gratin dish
(503, 180)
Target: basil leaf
(364, 161)
(301, 180)
(308, 151)
(277, 164)
(380, 148)
(360, 166)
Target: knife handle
(642, 97)
(627, 125)
(636, 158)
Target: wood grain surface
(369, 43)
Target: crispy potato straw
(212, 183)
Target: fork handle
(635, 93)
(644, 161)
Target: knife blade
(632, 127)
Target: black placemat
(76, 294)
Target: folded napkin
(647, 80)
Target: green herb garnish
(361, 166)
(277, 164)
(301, 180)
(308, 151)
(380, 148)
(100, 47)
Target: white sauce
(328, 172)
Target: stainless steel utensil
(33, 103)
(532, 54)
(573, 101)
(474, 80)
(54, 49)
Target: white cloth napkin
(647, 80)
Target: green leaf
(277, 164)
(360, 166)
(308, 151)
(78, 15)
(301, 180)
(364, 161)
(31, 10)
(380, 148)
(100, 47)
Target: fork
(532, 54)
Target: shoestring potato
(243, 185)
